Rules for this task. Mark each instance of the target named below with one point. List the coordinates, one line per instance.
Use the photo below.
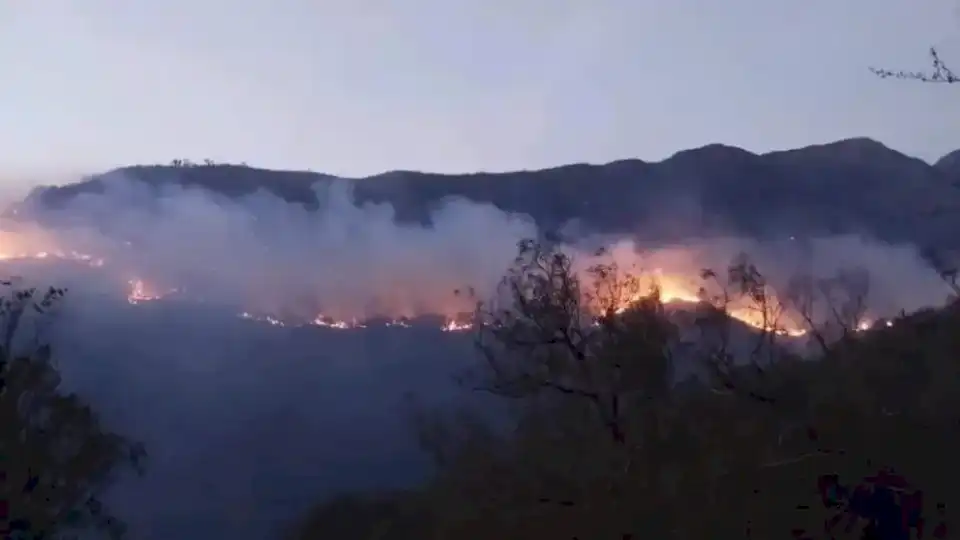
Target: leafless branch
(940, 73)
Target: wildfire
(865, 325)
(452, 325)
(262, 318)
(140, 292)
(22, 246)
(673, 289)
(63, 255)
(670, 291)
(449, 325)
(668, 278)
(771, 318)
(329, 322)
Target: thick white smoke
(248, 424)
(893, 277)
(262, 253)
(347, 261)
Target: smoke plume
(248, 423)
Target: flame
(673, 289)
(141, 292)
(452, 325)
(772, 318)
(329, 322)
(20, 246)
(449, 325)
(138, 292)
(63, 255)
(670, 278)
(262, 318)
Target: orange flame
(672, 279)
(452, 325)
(141, 292)
(17, 245)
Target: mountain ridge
(855, 185)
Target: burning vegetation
(669, 274)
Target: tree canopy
(604, 441)
(57, 456)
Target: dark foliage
(57, 458)
(858, 443)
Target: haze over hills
(164, 262)
(851, 186)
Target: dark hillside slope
(855, 185)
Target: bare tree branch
(940, 73)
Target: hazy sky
(356, 87)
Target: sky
(358, 87)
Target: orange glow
(20, 246)
(141, 292)
(452, 325)
(675, 274)
(329, 322)
(677, 289)
(63, 255)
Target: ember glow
(449, 325)
(452, 325)
(141, 292)
(673, 274)
(261, 318)
(671, 292)
(323, 320)
(212, 325)
(771, 317)
(69, 256)
(15, 247)
(346, 265)
(675, 285)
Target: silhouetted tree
(867, 417)
(606, 341)
(600, 441)
(56, 458)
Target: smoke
(248, 424)
(348, 261)
(894, 277)
(260, 252)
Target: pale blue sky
(356, 87)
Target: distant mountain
(949, 163)
(853, 185)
